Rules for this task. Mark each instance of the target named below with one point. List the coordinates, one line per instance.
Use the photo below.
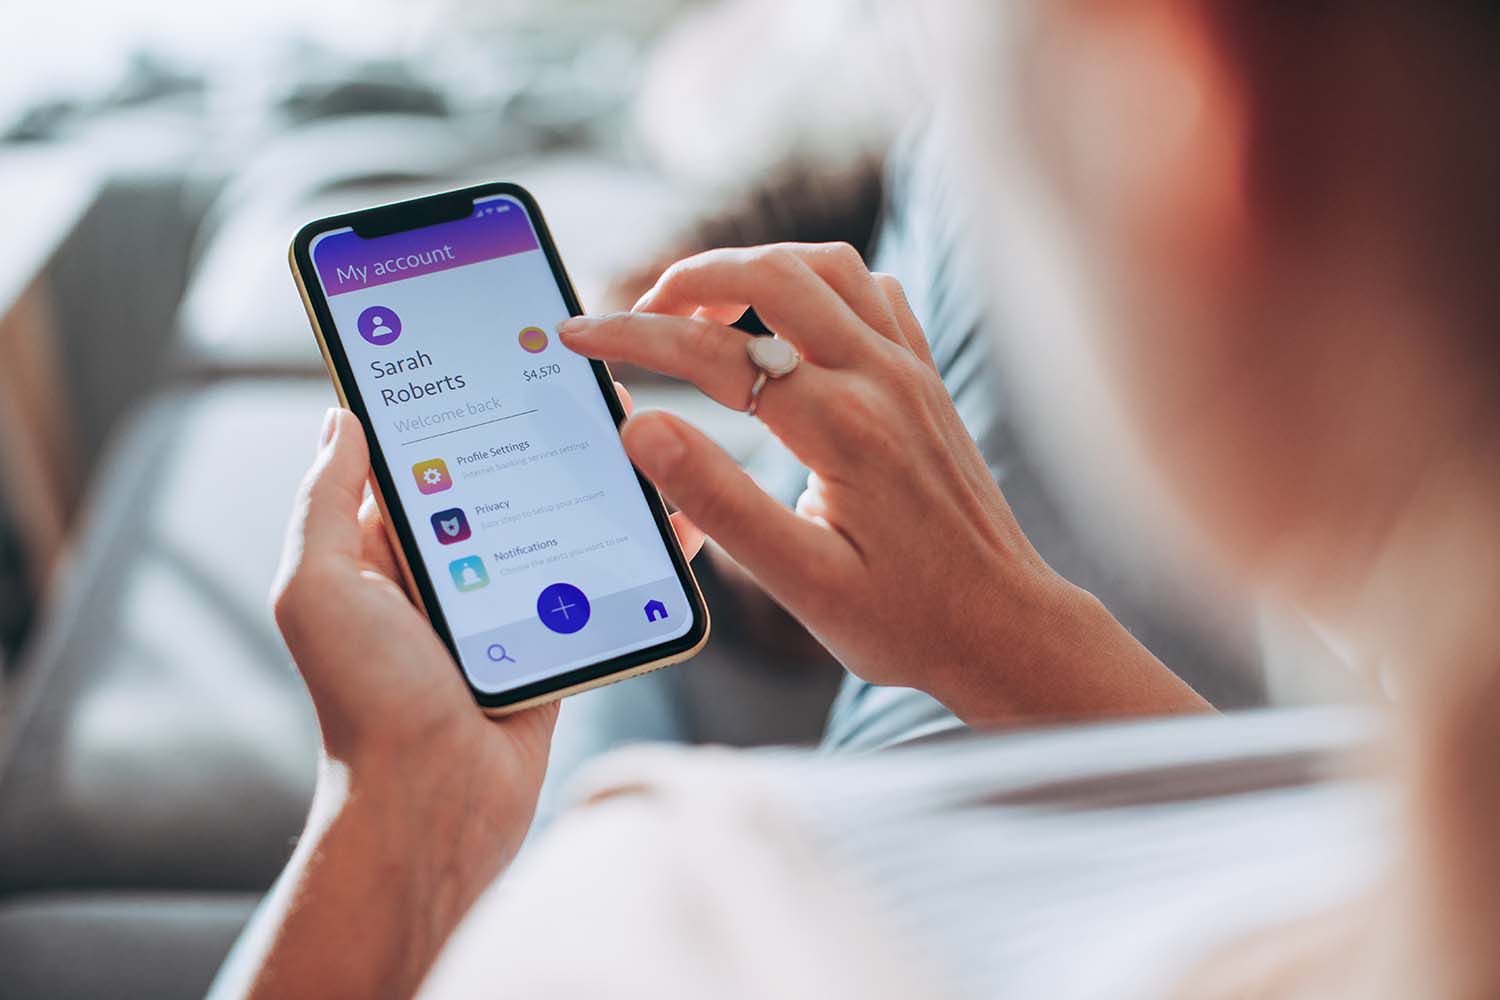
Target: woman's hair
(1398, 97)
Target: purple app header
(347, 263)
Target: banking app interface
(529, 517)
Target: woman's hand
(387, 692)
(390, 702)
(902, 556)
(422, 800)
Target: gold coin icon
(533, 340)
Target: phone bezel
(427, 210)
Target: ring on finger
(772, 358)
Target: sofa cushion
(119, 945)
(160, 736)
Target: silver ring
(773, 358)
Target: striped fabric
(1100, 861)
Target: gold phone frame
(413, 590)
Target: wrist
(1055, 652)
(436, 811)
(379, 880)
(421, 834)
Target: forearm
(376, 885)
(1061, 657)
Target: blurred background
(160, 389)
(156, 155)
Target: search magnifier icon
(497, 654)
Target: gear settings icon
(432, 476)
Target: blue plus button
(563, 608)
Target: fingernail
(655, 445)
(330, 424)
(573, 325)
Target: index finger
(838, 264)
(787, 294)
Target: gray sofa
(160, 750)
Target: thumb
(325, 518)
(770, 541)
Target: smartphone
(543, 559)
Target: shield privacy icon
(450, 526)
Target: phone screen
(535, 537)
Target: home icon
(655, 610)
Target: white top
(1102, 861)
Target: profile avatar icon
(379, 325)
